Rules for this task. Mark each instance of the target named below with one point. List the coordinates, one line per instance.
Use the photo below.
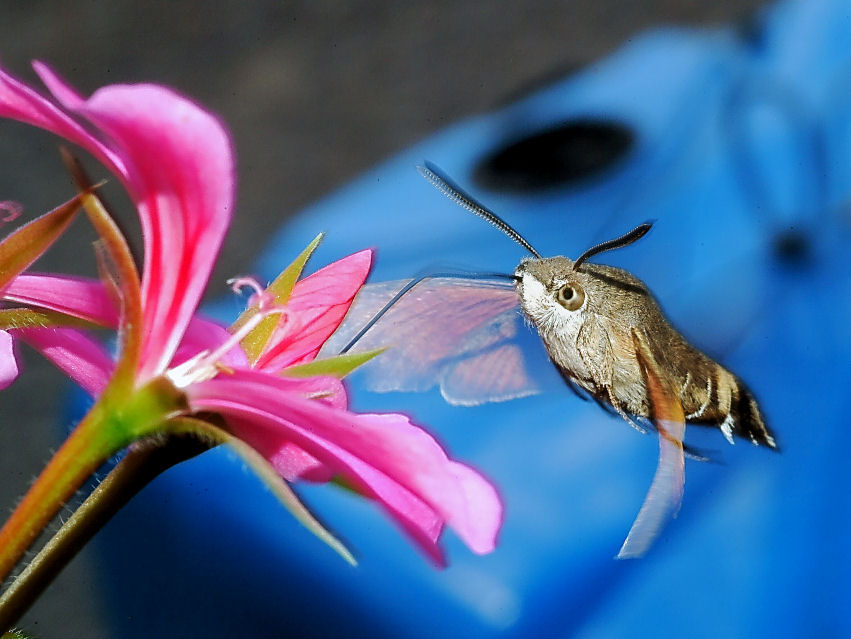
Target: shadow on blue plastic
(749, 257)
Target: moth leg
(620, 411)
(697, 454)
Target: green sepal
(125, 419)
(116, 259)
(254, 343)
(25, 245)
(337, 366)
(266, 473)
(39, 318)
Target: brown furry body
(593, 346)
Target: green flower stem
(108, 427)
(79, 457)
(143, 463)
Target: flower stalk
(109, 427)
(143, 463)
(79, 456)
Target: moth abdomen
(728, 404)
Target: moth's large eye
(571, 296)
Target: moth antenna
(408, 287)
(619, 242)
(451, 190)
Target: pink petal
(419, 521)
(480, 497)
(20, 102)
(316, 308)
(328, 390)
(73, 352)
(180, 173)
(388, 443)
(268, 433)
(10, 211)
(84, 298)
(8, 361)
(422, 523)
(206, 335)
(176, 162)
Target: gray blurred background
(313, 93)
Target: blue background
(741, 136)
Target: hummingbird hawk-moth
(601, 328)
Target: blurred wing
(666, 492)
(466, 336)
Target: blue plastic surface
(739, 138)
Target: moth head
(553, 294)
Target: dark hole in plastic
(792, 246)
(561, 155)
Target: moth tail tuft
(747, 419)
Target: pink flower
(176, 162)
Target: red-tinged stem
(70, 467)
(111, 424)
(142, 464)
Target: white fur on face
(543, 309)
(557, 326)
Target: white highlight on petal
(190, 371)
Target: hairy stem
(142, 464)
(70, 467)
(112, 424)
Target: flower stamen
(261, 298)
(206, 364)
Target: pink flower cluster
(176, 162)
